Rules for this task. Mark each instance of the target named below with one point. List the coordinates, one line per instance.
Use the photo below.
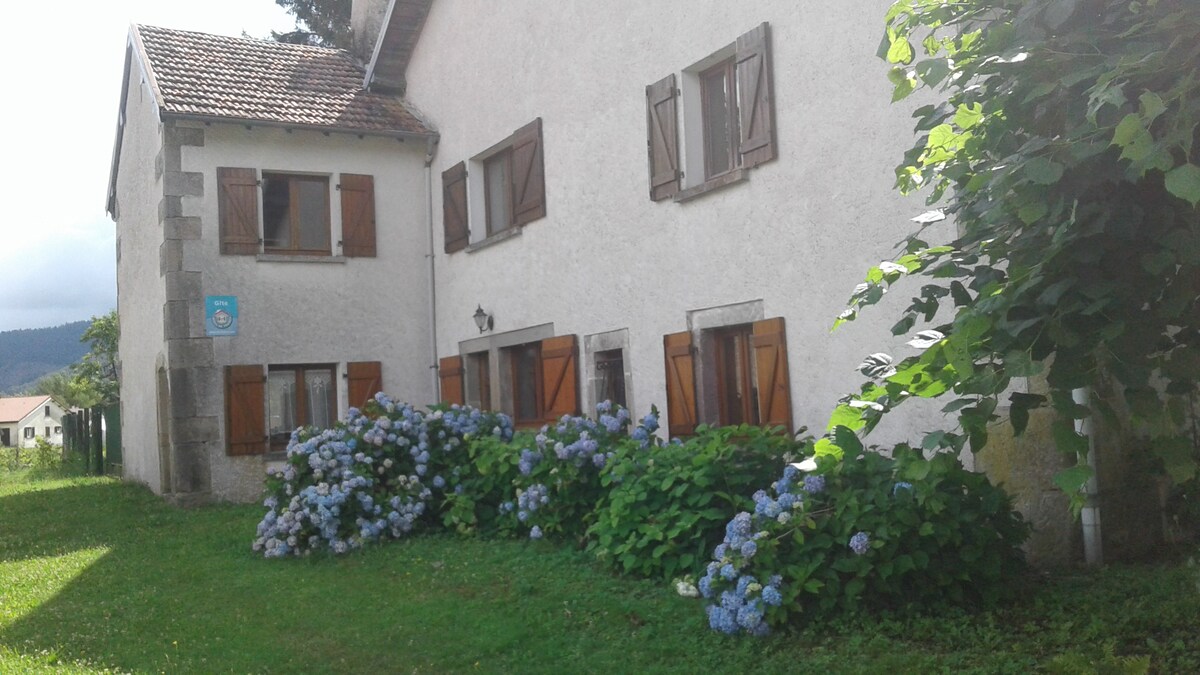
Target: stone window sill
(494, 239)
(713, 184)
(277, 257)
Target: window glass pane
(499, 196)
(318, 385)
(524, 369)
(479, 380)
(736, 378)
(716, 95)
(313, 199)
(610, 377)
(281, 402)
(277, 230)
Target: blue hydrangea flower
(749, 549)
(814, 484)
(901, 485)
(860, 543)
(771, 596)
(535, 533)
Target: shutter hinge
(258, 183)
(337, 187)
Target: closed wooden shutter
(662, 139)
(237, 209)
(454, 208)
(364, 379)
(450, 370)
(681, 384)
(245, 410)
(769, 343)
(756, 105)
(560, 383)
(529, 176)
(358, 215)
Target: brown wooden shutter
(364, 379)
(662, 138)
(529, 175)
(681, 384)
(358, 215)
(245, 410)
(769, 342)
(450, 370)
(454, 208)
(237, 208)
(560, 383)
(756, 105)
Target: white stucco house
(25, 419)
(657, 203)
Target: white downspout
(1093, 553)
(431, 150)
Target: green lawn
(98, 576)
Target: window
(479, 380)
(739, 375)
(728, 120)
(299, 396)
(262, 409)
(29, 432)
(296, 214)
(506, 190)
(47, 411)
(609, 383)
(47, 432)
(57, 431)
(525, 382)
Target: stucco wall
(799, 235)
(141, 292)
(358, 309)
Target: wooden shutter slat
(769, 342)
(358, 215)
(450, 371)
(364, 380)
(245, 410)
(681, 384)
(454, 208)
(529, 176)
(756, 106)
(560, 382)
(662, 139)
(237, 209)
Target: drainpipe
(430, 151)
(1093, 553)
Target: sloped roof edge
(398, 36)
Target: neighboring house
(24, 419)
(657, 203)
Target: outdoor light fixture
(482, 319)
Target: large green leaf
(1184, 182)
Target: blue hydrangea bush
(868, 531)
(372, 477)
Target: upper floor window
(728, 122)
(504, 188)
(296, 213)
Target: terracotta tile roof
(14, 409)
(260, 80)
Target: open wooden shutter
(454, 208)
(756, 103)
(662, 140)
(770, 360)
(358, 215)
(450, 370)
(681, 384)
(237, 208)
(529, 175)
(245, 410)
(560, 383)
(364, 379)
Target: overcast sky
(61, 84)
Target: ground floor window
(299, 396)
(479, 380)
(736, 380)
(525, 382)
(609, 383)
(29, 432)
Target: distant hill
(28, 354)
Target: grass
(99, 576)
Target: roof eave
(292, 126)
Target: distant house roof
(15, 409)
(218, 78)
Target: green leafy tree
(1064, 144)
(96, 373)
(66, 389)
(321, 23)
